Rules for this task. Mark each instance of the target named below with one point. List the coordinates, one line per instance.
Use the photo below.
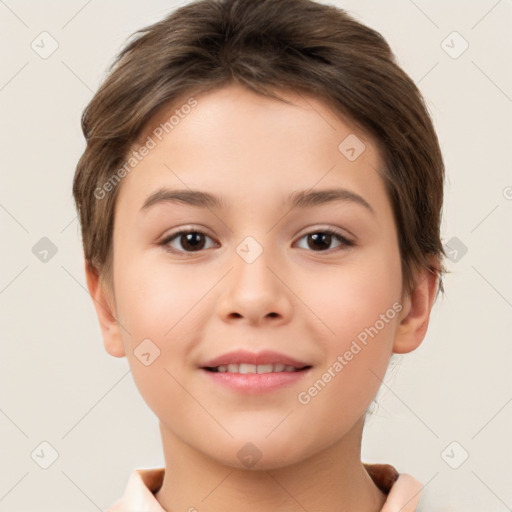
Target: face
(269, 276)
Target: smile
(246, 368)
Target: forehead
(242, 145)
(237, 114)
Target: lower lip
(254, 383)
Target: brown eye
(186, 241)
(320, 241)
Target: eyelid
(323, 228)
(188, 228)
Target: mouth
(248, 372)
(247, 368)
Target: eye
(195, 240)
(320, 240)
(190, 240)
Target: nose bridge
(254, 257)
(254, 290)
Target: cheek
(359, 308)
(156, 299)
(352, 297)
(160, 309)
(355, 361)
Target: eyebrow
(297, 199)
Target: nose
(256, 290)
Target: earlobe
(105, 311)
(416, 313)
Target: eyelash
(345, 242)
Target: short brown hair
(267, 45)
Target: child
(260, 201)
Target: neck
(333, 480)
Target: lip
(245, 356)
(255, 383)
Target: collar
(403, 491)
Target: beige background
(59, 386)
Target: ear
(415, 314)
(110, 328)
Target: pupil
(323, 238)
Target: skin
(295, 298)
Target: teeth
(265, 368)
(245, 368)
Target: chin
(260, 454)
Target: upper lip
(257, 358)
